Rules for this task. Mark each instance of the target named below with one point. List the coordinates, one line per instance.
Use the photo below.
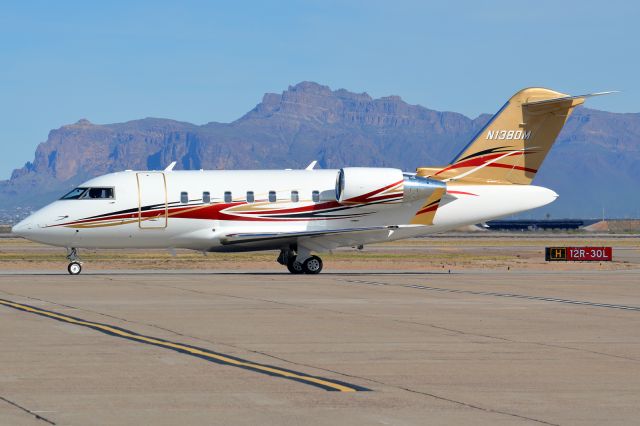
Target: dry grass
(517, 252)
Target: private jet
(301, 212)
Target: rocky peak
(308, 101)
(83, 122)
(310, 87)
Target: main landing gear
(311, 265)
(75, 266)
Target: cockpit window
(74, 194)
(89, 193)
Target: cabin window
(227, 196)
(272, 196)
(89, 194)
(315, 196)
(250, 197)
(206, 197)
(184, 197)
(294, 196)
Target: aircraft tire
(295, 267)
(312, 265)
(74, 268)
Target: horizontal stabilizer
(569, 98)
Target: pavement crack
(478, 407)
(26, 410)
(499, 294)
(550, 345)
(231, 296)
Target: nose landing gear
(75, 266)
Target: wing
(321, 240)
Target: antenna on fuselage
(170, 166)
(311, 165)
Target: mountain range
(594, 164)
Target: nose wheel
(75, 266)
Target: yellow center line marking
(327, 384)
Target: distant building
(539, 225)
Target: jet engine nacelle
(374, 184)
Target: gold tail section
(511, 147)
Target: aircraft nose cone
(22, 228)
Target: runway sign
(578, 254)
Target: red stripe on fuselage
(309, 208)
(461, 193)
(364, 197)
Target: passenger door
(152, 200)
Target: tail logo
(501, 135)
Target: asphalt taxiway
(492, 347)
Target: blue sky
(202, 61)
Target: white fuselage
(151, 210)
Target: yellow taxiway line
(326, 384)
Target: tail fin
(510, 148)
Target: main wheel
(294, 267)
(312, 265)
(74, 268)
